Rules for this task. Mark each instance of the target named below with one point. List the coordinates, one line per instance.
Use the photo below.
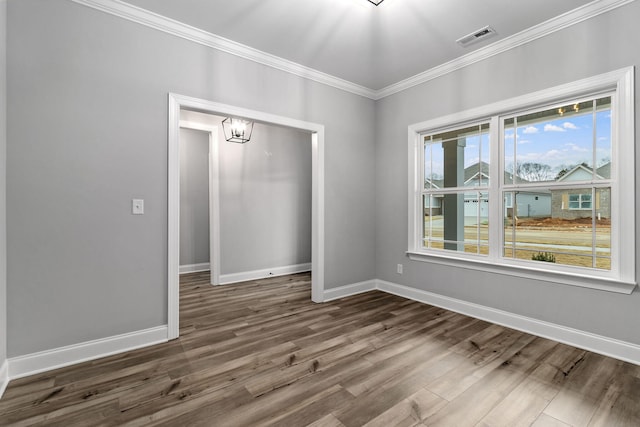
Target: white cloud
(508, 136)
(530, 130)
(575, 147)
(524, 141)
(551, 154)
(553, 128)
(559, 156)
(569, 125)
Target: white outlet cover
(137, 206)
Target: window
(531, 186)
(456, 181)
(579, 201)
(545, 150)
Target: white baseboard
(35, 363)
(348, 290)
(30, 364)
(4, 377)
(226, 279)
(596, 343)
(194, 268)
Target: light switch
(137, 206)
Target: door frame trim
(214, 196)
(178, 102)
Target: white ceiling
(355, 40)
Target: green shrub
(544, 256)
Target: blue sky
(563, 141)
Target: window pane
(485, 145)
(476, 157)
(509, 151)
(457, 222)
(567, 234)
(508, 200)
(433, 165)
(476, 222)
(432, 215)
(558, 144)
(457, 158)
(603, 228)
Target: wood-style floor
(261, 353)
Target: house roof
(474, 171)
(603, 172)
(482, 169)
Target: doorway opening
(177, 103)
(199, 252)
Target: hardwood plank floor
(262, 354)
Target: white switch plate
(137, 206)
(399, 270)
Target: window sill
(583, 281)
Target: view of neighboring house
(573, 204)
(563, 204)
(534, 204)
(530, 204)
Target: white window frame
(621, 278)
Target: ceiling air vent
(476, 36)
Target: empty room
(218, 213)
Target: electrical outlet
(400, 268)
(137, 206)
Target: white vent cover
(481, 34)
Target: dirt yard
(561, 223)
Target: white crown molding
(590, 10)
(176, 28)
(179, 29)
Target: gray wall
(602, 44)
(194, 197)
(265, 197)
(87, 132)
(265, 200)
(3, 181)
(87, 114)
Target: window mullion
(423, 193)
(594, 141)
(496, 178)
(594, 249)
